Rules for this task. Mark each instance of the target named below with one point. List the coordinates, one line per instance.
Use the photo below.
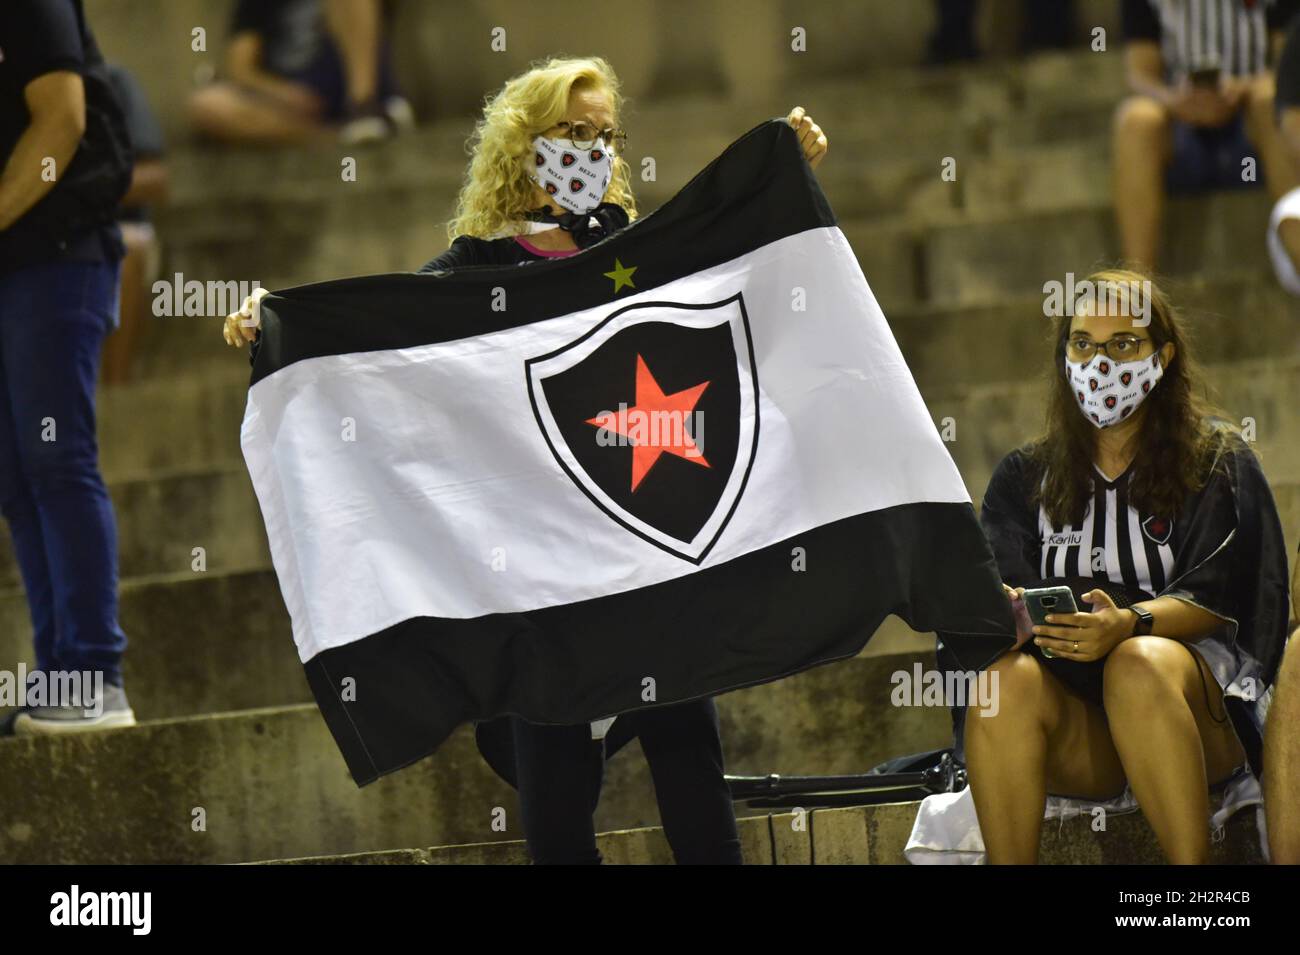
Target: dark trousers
(560, 770)
(53, 319)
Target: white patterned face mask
(575, 178)
(1109, 391)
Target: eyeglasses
(584, 136)
(1119, 348)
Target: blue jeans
(53, 319)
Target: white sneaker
(57, 720)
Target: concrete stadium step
(175, 424)
(991, 261)
(968, 261)
(1216, 302)
(1230, 318)
(163, 518)
(991, 420)
(938, 255)
(341, 229)
(852, 835)
(269, 782)
(198, 643)
(219, 641)
(274, 786)
(884, 114)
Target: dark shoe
(366, 123)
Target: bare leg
(1140, 152)
(1171, 746)
(1282, 761)
(1043, 738)
(226, 112)
(355, 27)
(1261, 127)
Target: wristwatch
(1145, 621)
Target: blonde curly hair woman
(548, 178)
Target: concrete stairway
(856, 835)
(233, 764)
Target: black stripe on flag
(748, 621)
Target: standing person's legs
(683, 745)
(1140, 153)
(559, 770)
(16, 500)
(53, 319)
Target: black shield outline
(739, 299)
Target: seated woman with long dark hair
(1138, 488)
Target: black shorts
(1085, 677)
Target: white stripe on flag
(450, 504)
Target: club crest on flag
(653, 414)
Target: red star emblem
(655, 424)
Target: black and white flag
(688, 459)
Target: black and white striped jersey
(1115, 541)
(1232, 35)
(1224, 552)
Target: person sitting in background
(1047, 24)
(141, 263)
(1138, 486)
(300, 70)
(1201, 110)
(1284, 223)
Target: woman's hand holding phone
(1086, 636)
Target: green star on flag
(621, 275)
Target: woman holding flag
(522, 202)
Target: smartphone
(1041, 601)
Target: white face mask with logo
(1108, 391)
(575, 178)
